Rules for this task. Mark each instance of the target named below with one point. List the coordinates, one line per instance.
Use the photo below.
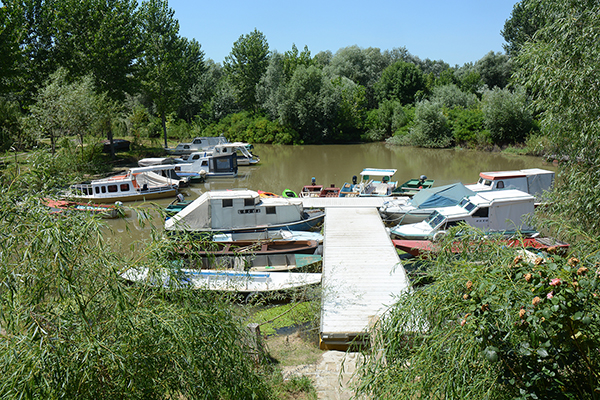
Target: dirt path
(331, 375)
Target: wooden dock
(354, 202)
(362, 274)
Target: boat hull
(130, 197)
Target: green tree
(495, 69)
(161, 63)
(525, 19)
(11, 33)
(507, 117)
(245, 65)
(430, 128)
(561, 71)
(400, 81)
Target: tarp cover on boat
(442, 196)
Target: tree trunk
(164, 126)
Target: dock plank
(362, 273)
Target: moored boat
(225, 211)
(413, 186)
(136, 184)
(66, 206)
(220, 280)
(259, 247)
(423, 247)
(197, 144)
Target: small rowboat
(65, 206)
(259, 247)
(422, 247)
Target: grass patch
(282, 316)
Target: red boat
(421, 247)
(65, 206)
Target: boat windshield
(483, 181)
(435, 219)
(467, 205)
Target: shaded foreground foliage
(493, 324)
(73, 328)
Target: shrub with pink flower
(555, 282)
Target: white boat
(534, 181)
(374, 182)
(281, 234)
(197, 144)
(210, 166)
(226, 211)
(236, 281)
(240, 149)
(407, 210)
(501, 211)
(136, 184)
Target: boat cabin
(197, 144)
(233, 210)
(212, 165)
(377, 182)
(534, 181)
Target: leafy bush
(506, 116)
(493, 324)
(430, 127)
(252, 128)
(467, 125)
(389, 119)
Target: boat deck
(362, 274)
(354, 202)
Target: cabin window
(97, 190)
(500, 185)
(103, 189)
(112, 189)
(487, 183)
(197, 141)
(270, 210)
(204, 163)
(222, 164)
(248, 202)
(227, 203)
(483, 212)
(124, 187)
(196, 157)
(186, 147)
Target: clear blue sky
(456, 31)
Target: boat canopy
(442, 196)
(377, 172)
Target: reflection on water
(292, 167)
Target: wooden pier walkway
(362, 274)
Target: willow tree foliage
(559, 66)
(72, 327)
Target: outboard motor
(354, 179)
(313, 181)
(422, 179)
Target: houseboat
(134, 185)
(226, 211)
(197, 144)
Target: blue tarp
(443, 196)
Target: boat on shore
(134, 185)
(227, 211)
(61, 207)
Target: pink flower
(555, 282)
(550, 295)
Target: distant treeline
(114, 67)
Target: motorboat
(409, 210)
(502, 211)
(197, 144)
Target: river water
(282, 167)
